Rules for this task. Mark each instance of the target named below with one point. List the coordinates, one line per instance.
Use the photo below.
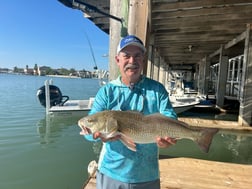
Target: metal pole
(47, 95)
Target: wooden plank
(225, 127)
(201, 11)
(188, 173)
(221, 124)
(178, 5)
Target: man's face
(130, 62)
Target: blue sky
(47, 33)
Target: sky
(47, 33)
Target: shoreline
(64, 76)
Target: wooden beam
(178, 5)
(138, 18)
(224, 11)
(236, 40)
(115, 36)
(245, 112)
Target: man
(118, 166)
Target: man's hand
(165, 142)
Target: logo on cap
(130, 40)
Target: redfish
(134, 127)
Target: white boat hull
(82, 107)
(72, 108)
(183, 107)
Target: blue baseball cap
(130, 40)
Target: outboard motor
(56, 97)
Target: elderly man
(118, 166)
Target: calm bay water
(36, 152)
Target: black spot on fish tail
(205, 140)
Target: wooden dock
(188, 173)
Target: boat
(57, 104)
(72, 107)
(182, 96)
(184, 103)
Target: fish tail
(205, 140)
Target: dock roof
(185, 31)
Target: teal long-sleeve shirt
(117, 161)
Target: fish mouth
(82, 126)
(88, 130)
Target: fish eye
(89, 120)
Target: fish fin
(112, 123)
(110, 135)
(128, 142)
(205, 140)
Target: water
(225, 147)
(36, 152)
